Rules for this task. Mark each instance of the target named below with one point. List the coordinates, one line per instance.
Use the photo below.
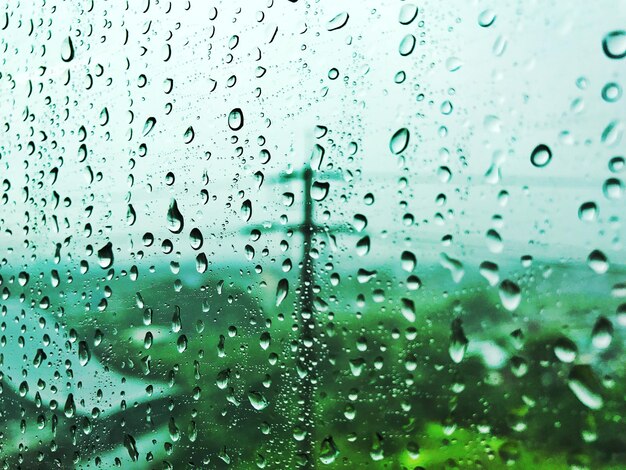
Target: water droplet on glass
(399, 141)
(611, 92)
(246, 210)
(282, 289)
(486, 18)
(408, 261)
(189, 135)
(235, 119)
(602, 333)
(565, 350)
(175, 221)
(328, 451)
(67, 50)
(408, 12)
(149, 125)
(614, 44)
(105, 256)
(407, 308)
(588, 211)
(541, 156)
(458, 341)
(510, 294)
(319, 190)
(407, 45)
(257, 400)
(598, 262)
(585, 385)
(338, 21)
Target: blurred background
(305, 234)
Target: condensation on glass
(312, 233)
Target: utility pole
(306, 359)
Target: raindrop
(67, 50)
(408, 13)
(175, 219)
(338, 21)
(257, 400)
(189, 135)
(83, 353)
(486, 18)
(399, 141)
(458, 341)
(407, 45)
(611, 92)
(408, 261)
(453, 64)
(588, 211)
(510, 294)
(105, 256)
(246, 210)
(196, 239)
(407, 308)
(612, 188)
(585, 385)
(598, 262)
(319, 190)
(541, 156)
(602, 333)
(149, 125)
(235, 119)
(282, 289)
(614, 44)
(565, 350)
(363, 246)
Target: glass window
(312, 233)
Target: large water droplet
(282, 289)
(565, 350)
(319, 190)
(175, 221)
(598, 262)
(189, 135)
(105, 256)
(541, 156)
(585, 385)
(486, 18)
(407, 45)
(246, 210)
(510, 294)
(588, 211)
(458, 341)
(408, 12)
(407, 308)
(399, 141)
(338, 22)
(602, 333)
(257, 400)
(235, 119)
(614, 44)
(67, 50)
